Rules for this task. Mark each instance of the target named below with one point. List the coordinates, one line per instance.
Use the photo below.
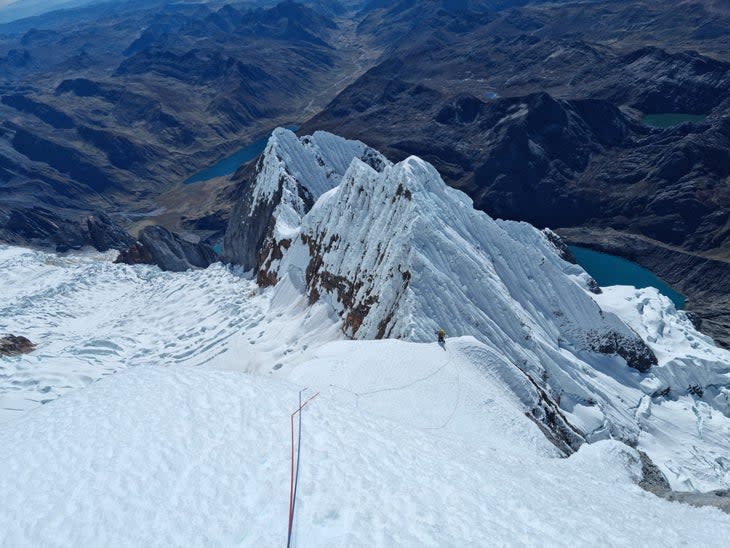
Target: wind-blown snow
(192, 457)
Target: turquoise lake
(611, 270)
(671, 119)
(229, 164)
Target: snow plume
(393, 252)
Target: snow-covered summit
(393, 252)
(396, 253)
(289, 177)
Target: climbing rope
(294, 478)
(410, 384)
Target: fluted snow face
(303, 169)
(290, 176)
(399, 254)
(419, 256)
(394, 252)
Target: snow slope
(191, 457)
(396, 253)
(90, 318)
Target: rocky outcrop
(13, 345)
(157, 245)
(42, 227)
(654, 481)
(104, 234)
(632, 349)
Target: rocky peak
(168, 250)
(288, 178)
(396, 253)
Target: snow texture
(192, 457)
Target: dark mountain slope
(122, 105)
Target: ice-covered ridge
(315, 162)
(399, 254)
(290, 176)
(396, 253)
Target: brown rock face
(12, 345)
(135, 254)
(270, 252)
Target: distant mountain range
(11, 10)
(535, 109)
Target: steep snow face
(399, 254)
(290, 176)
(396, 253)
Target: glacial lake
(671, 119)
(229, 164)
(611, 270)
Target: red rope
(292, 487)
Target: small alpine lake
(229, 164)
(612, 270)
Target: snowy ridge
(394, 252)
(399, 254)
(290, 176)
(314, 163)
